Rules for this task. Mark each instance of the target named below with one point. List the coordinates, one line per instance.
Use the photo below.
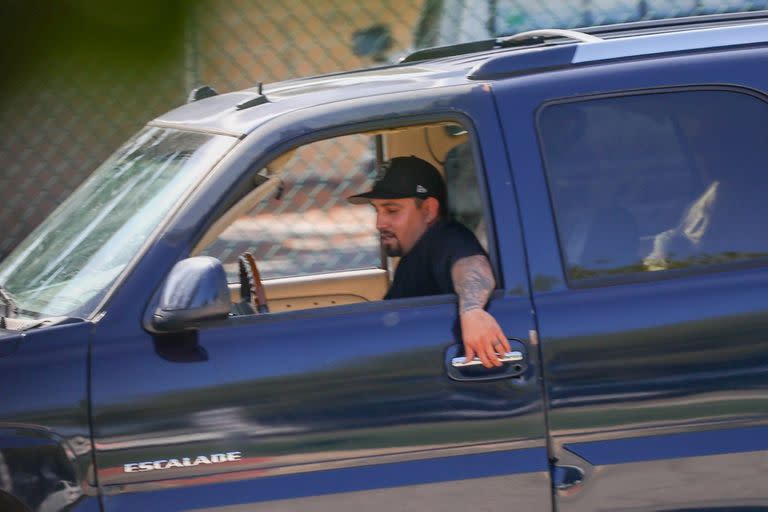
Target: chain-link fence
(69, 104)
(77, 81)
(307, 226)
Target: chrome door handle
(508, 357)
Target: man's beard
(392, 246)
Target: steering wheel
(251, 288)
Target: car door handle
(508, 357)
(515, 364)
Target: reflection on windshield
(68, 263)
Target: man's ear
(432, 206)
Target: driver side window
(311, 246)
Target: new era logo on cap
(420, 189)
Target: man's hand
(482, 337)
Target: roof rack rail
(528, 38)
(452, 50)
(550, 32)
(531, 37)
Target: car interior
(311, 248)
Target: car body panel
(45, 442)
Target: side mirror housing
(195, 291)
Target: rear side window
(657, 182)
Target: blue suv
(200, 326)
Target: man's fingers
(500, 347)
(498, 350)
(485, 355)
(490, 351)
(505, 343)
(469, 353)
(487, 361)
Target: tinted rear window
(657, 182)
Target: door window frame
(244, 184)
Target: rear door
(341, 408)
(645, 226)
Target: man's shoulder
(450, 226)
(454, 236)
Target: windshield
(66, 265)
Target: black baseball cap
(405, 176)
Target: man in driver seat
(438, 256)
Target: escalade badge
(183, 462)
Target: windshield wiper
(10, 307)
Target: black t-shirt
(426, 269)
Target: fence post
(191, 49)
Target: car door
(647, 247)
(341, 408)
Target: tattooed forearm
(473, 281)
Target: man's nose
(380, 222)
